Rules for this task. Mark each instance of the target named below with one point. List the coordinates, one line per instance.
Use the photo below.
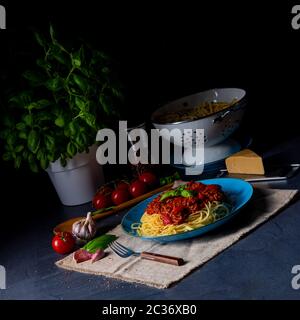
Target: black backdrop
(167, 50)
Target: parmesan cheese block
(245, 162)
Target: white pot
(77, 182)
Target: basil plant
(68, 97)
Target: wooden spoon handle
(162, 258)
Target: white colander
(218, 126)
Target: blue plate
(237, 191)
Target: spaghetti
(184, 209)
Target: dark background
(165, 51)
(168, 50)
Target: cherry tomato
(101, 201)
(137, 188)
(63, 242)
(149, 178)
(123, 185)
(120, 195)
(105, 190)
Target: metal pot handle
(222, 116)
(235, 107)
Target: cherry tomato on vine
(120, 195)
(101, 201)
(137, 188)
(149, 178)
(122, 185)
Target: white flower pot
(77, 182)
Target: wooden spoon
(67, 225)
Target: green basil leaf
(16, 100)
(73, 127)
(54, 84)
(176, 176)
(44, 116)
(162, 181)
(7, 156)
(39, 154)
(22, 135)
(40, 39)
(26, 97)
(63, 160)
(35, 78)
(21, 126)
(81, 82)
(19, 148)
(117, 93)
(44, 162)
(90, 119)
(71, 149)
(41, 104)
(52, 32)
(28, 119)
(59, 55)
(51, 157)
(33, 141)
(81, 104)
(187, 193)
(32, 164)
(81, 139)
(25, 154)
(49, 142)
(60, 122)
(11, 139)
(169, 179)
(18, 161)
(105, 103)
(44, 64)
(67, 132)
(76, 59)
(168, 194)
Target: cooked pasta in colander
(202, 110)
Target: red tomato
(105, 190)
(149, 178)
(123, 185)
(120, 195)
(63, 242)
(101, 201)
(137, 188)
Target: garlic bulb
(84, 230)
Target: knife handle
(162, 258)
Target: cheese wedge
(245, 162)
